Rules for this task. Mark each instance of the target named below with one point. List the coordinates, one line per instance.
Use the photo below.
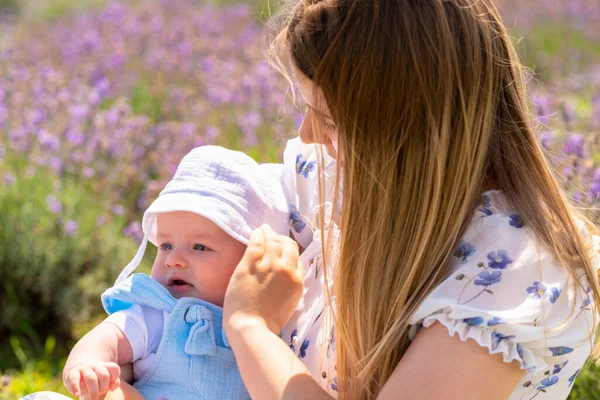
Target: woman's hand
(267, 283)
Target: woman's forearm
(268, 367)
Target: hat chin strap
(133, 264)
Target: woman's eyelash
(328, 126)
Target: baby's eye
(166, 246)
(200, 247)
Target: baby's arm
(93, 365)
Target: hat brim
(217, 211)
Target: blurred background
(100, 99)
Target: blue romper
(194, 360)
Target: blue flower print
(586, 303)
(486, 203)
(487, 278)
(560, 350)
(538, 290)
(304, 347)
(296, 220)
(559, 367)
(572, 377)
(554, 294)
(334, 384)
(303, 167)
(464, 251)
(547, 382)
(499, 260)
(498, 337)
(516, 221)
(520, 350)
(293, 337)
(474, 321)
(495, 321)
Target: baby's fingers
(72, 382)
(91, 382)
(104, 378)
(115, 371)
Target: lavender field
(99, 100)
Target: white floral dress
(506, 291)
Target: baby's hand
(93, 379)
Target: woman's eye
(200, 247)
(328, 126)
(166, 246)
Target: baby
(169, 325)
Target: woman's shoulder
(508, 291)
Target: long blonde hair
(429, 100)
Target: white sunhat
(225, 186)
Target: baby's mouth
(179, 285)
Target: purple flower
(547, 382)
(499, 260)
(9, 179)
(538, 290)
(495, 321)
(303, 348)
(134, 230)
(560, 350)
(473, 321)
(497, 338)
(118, 210)
(487, 278)
(559, 367)
(546, 138)
(516, 221)
(303, 167)
(53, 204)
(574, 145)
(71, 227)
(520, 351)
(293, 337)
(334, 384)
(296, 220)
(572, 377)
(464, 251)
(554, 295)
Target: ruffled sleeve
(508, 293)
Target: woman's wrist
(238, 326)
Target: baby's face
(195, 257)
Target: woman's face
(317, 125)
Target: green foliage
(35, 374)
(53, 9)
(54, 265)
(145, 100)
(587, 386)
(9, 6)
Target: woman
(454, 267)
(451, 227)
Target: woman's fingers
(256, 247)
